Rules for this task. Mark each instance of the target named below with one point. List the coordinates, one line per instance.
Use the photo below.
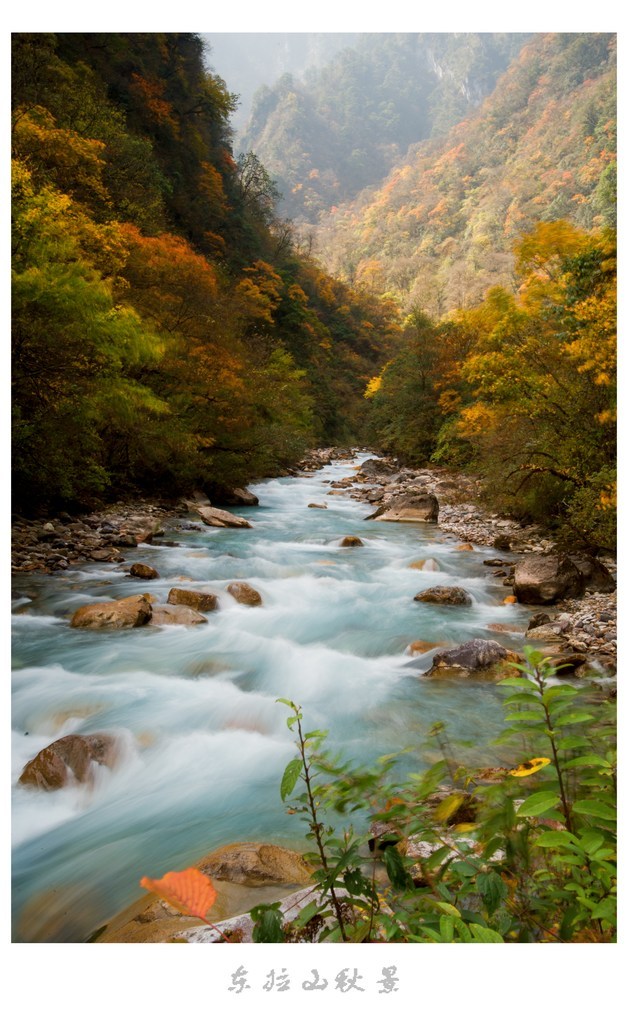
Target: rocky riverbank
(583, 623)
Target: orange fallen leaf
(189, 891)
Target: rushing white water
(203, 742)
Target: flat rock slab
(417, 508)
(219, 517)
(255, 864)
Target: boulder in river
(426, 565)
(143, 572)
(200, 600)
(256, 864)
(351, 542)
(219, 517)
(69, 758)
(244, 593)
(485, 657)
(422, 646)
(410, 508)
(176, 615)
(444, 595)
(126, 613)
(316, 504)
(544, 579)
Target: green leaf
(485, 934)
(525, 716)
(447, 928)
(587, 761)
(395, 869)
(290, 777)
(492, 889)
(573, 718)
(447, 908)
(590, 842)
(306, 914)
(268, 923)
(553, 839)
(537, 803)
(595, 809)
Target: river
(203, 741)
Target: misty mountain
(340, 127)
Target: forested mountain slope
(343, 126)
(167, 331)
(440, 230)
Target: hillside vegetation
(167, 331)
(441, 228)
(344, 125)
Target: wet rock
(143, 572)
(176, 615)
(503, 627)
(464, 547)
(474, 657)
(540, 619)
(411, 508)
(351, 542)
(103, 554)
(256, 864)
(567, 662)
(315, 504)
(199, 600)
(244, 593)
(444, 595)
(219, 517)
(126, 613)
(426, 565)
(544, 579)
(421, 646)
(67, 759)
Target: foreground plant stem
(317, 829)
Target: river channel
(203, 741)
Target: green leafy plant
(468, 855)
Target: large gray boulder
(545, 579)
(410, 508)
(372, 469)
(481, 657)
(219, 517)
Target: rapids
(204, 742)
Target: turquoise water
(203, 741)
